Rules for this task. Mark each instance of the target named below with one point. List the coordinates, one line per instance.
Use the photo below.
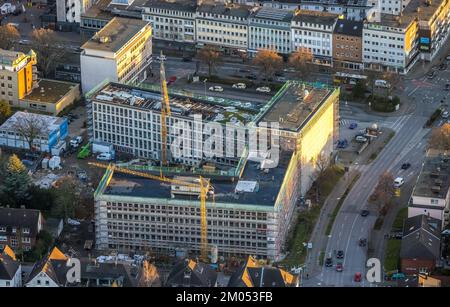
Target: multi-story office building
(314, 31)
(120, 52)
(347, 45)
(223, 25)
(390, 44)
(270, 28)
(94, 19)
(70, 11)
(253, 205)
(172, 21)
(357, 10)
(17, 75)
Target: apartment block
(120, 52)
(347, 45)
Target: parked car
(353, 126)
(361, 139)
(251, 77)
(216, 88)
(362, 242)
(382, 83)
(263, 89)
(329, 262)
(76, 141)
(342, 144)
(240, 85)
(365, 213)
(340, 254)
(406, 165)
(431, 75)
(186, 59)
(357, 277)
(445, 114)
(398, 182)
(171, 80)
(447, 87)
(281, 79)
(443, 66)
(104, 156)
(161, 58)
(339, 267)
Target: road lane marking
(412, 92)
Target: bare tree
(321, 163)
(8, 35)
(48, 48)
(29, 126)
(440, 137)
(384, 192)
(211, 57)
(269, 62)
(301, 61)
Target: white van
(382, 83)
(104, 156)
(398, 182)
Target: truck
(104, 149)
(7, 8)
(76, 141)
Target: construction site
(207, 205)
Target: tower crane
(165, 110)
(205, 187)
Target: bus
(346, 78)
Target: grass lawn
(392, 256)
(399, 219)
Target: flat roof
(270, 13)
(179, 5)
(434, 179)
(50, 91)
(395, 21)
(119, 31)
(211, 108)
(316, 17)
(426, 10)
(235, 10)
(50, 122)
(224, 190)
(295, 103)
(99, 10)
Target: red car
(339, 267)
(171, 80)
(357, 277)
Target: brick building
(347, 45)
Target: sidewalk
(318, 238)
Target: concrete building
(224, 26)
(94, 19)
(357, 10)
(15, 132)
(19, 228)
(50, 96)
(314, 30)
(17, 75)
(431, 194)
(391, 44)
(270, 28)
(172, 21)
(121, 52)
(347, 46)
(253, 205)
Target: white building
(71, 10)
(270, 28)
(431, 194)
(120, 52)
(390, 44)
(223, 25)
(171, 21)
(20, 129)
(357, 10)
(314, 31)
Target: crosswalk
(392, 123)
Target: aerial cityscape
(224, 144)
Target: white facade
(170, 23)
(42, 280)
(71, 10)
(15, 282)
(315, 35)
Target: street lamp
(204, 81)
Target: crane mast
(165, 110)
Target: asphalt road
(408, 145)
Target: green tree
(16, 181)
(359, 90)
(5, 111)
(66, 199)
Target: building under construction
(251, 207)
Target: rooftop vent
(104, 39)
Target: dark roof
(54, 265)
(349, 27)
(315, 17)
(421, 238)
(20, 218)
(128, 275)
(273, 14)
(179, 5)
(189, 273)
(253, 275)
(240, 11)
(8, 266)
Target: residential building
(10, 269)
(421, 245)
(19, 228)
(357, 10)
(54, 227)
(52, 131)
(172, 21)
(17, 75)
(347, 45)
(190, 273)
(270, 28)
(253, 274)
(50, 96)
(314, 31)
(224, 26)
(120, 52)
(431, 194)
(50, 272)
(253, 204)
(390, 44)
